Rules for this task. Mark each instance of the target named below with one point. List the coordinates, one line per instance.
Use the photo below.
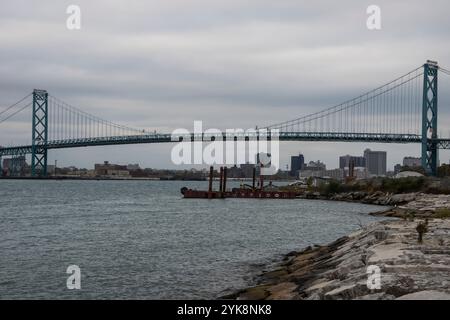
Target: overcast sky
(160, 65)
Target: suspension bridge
(404, 110)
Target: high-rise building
(344, 161)
(247, 169)
(297, 164)
(14, 166)
(375, 162)
(234, 172)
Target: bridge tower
(429, 117)
(39, 133)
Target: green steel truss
(39, 133)
(167, 138)
(429, 118)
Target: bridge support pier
(429, 118)
(39, 133)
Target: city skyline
(395, 156)
(343, 163)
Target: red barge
(244, 192)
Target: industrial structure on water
(256, 190)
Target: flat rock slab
(426, 295)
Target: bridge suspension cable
(67, 122)
(446, 71)
(16, 105)
(16, 112)
(394, 107)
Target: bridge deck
(168, 138)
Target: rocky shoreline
(404, 205)
(339, 270)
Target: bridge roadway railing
(166, 138)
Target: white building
(337, 174)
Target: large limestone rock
(339, 270)
(426, 295)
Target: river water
(141, 240)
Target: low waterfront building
(114, 170)
(133, 167)
(412, 162)
(310, 173)
(315, 166)
(336, 174)
(358, 173)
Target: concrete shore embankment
(408, 269)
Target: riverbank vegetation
(386, 185)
